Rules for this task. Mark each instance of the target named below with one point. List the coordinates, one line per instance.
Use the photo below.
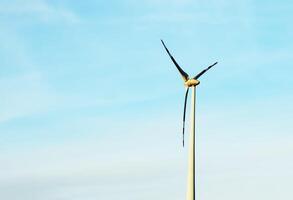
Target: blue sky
(91, 106)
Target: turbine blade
(184, 113)
(205, 70)
(183, 73)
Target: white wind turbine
(190, 83)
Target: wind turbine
(189, 83)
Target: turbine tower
(189, 83)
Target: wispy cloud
(168, 2)
(39, 9)
(24, 95)
(176, 12)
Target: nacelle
(191, 82)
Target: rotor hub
(191, 82)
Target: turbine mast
(190, 83)
(191, 179)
